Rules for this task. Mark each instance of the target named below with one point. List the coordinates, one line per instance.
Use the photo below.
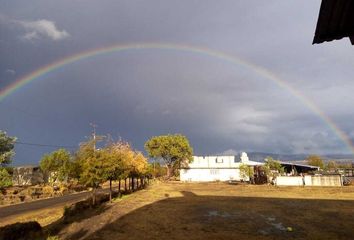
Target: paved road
(21, 208)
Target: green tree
(140, 167)
(7, 145)
(91, 163)
(58, 164)
(155, 170)
(5, 178)
(173, 149)
(315, 160)
(273, 167)
(246, 171)
(117, 157)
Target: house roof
(299, 165)
(335, 21)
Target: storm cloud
(222, 107)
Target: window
(219, 160)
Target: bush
(5, 178)
(48, 191)
(63, 189)
(33, 192)
(77, 187)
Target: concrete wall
(209, 175)
(330, 180)
(289, 181)
(308, 180)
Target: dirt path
(221, 211)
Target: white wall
(308, 180)
(289, 181)
(215, 168)
(209, 175)
(330, 180)
(213, 162)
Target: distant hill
(260, 156)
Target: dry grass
(43, 216)
(222, 211)
(215, 211)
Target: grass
(43, 217)
(217, 211)
(221, 211)
(53, 238)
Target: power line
(44, 145)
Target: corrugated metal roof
(335, 21)
(300, 165)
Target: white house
(215, 168)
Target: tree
(5, 178)
(315, 160)
(155, 170)
(273, 167)
(91, 162)
(7, 145)
(246, 171)
(140, 166)
(173, 149)
(331, 165)
(118, 155)
(58, 164)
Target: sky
(223, 107)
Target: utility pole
(94, 135)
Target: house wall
(213, 162)
(215, 168)
(209, 175)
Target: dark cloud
(221, 107)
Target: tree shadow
(222, 217)
(79, 211)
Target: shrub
(5, 178)
(63, 189)
(48, 190)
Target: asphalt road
(11, 210)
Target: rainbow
(8, 90)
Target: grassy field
(219, 211)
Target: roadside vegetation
(7, 145)
(91, 166)
(98, 161)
